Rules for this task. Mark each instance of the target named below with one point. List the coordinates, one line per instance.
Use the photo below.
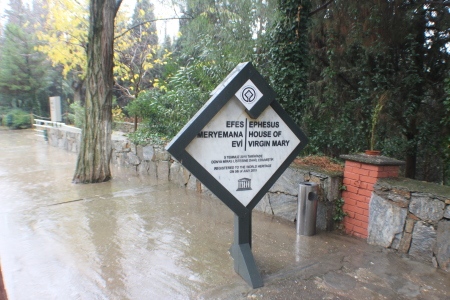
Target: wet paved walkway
(138, 238)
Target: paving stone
(340, 281)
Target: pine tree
(23, 70)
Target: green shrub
(76, 115)
(17, 119)
(144, 136)
(165, 113)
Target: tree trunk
(411, 152)
(95, 150)
(410, 167)
(77, 88)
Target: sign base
(241, 251)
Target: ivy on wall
(339, 69)
(288, 53)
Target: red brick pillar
(360, 174)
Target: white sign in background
(243, 153)
(55, 109)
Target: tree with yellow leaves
(89, 54)
(65, 35)
(137, 66)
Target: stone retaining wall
(154, 160)
(281, 200)
(67, 138)
(412, 217)
(126, 127)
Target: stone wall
(412, 217)
(66, 137)
(125, 127)
(69, 137)
(154, 160)
(281, 200)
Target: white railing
(40, 126)
(47, 124)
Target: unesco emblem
(244, 184)
(248, 94)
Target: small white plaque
(243, 153)
(55, 109)
(248, 94)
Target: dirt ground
(322, 162)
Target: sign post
(238, 144)
(55, 109)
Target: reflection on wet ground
(139, 238)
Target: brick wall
(360, 174)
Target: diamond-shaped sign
(240, 141)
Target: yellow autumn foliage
(65, 34)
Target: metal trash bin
(307, 208)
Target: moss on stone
(377, 160)
(416, 186)
(318, 170)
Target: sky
(161, 11)
(169, 27)
(3, 6)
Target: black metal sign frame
(244, 263)
(177, 148)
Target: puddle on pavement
(132, 237)
(135, 237)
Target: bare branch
(320, 8)
(80, 45)
(125, 92)
(149, 21)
